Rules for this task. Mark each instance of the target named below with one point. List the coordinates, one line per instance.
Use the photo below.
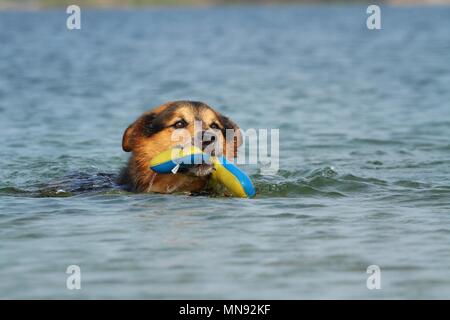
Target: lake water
(364, 119)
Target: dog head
(180, 123)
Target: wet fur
(151, 134)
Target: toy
(225, 172)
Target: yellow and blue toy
(233, 178)
(224, 172)
(171, 160)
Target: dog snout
(208, 139)
(204, 138)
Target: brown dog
(153, 132)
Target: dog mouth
(199, 170)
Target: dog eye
(180, 124)
(214, 126)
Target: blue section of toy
(242, 180)
(225, 172)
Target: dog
(154, 131)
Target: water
(365, 154)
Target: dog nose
(205, 138)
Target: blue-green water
(364, 119)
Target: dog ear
(234, 141)
(128, 138)
(144, 126)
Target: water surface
(364, 121)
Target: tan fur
(144, 146)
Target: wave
(325, 182)
(67, 186)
